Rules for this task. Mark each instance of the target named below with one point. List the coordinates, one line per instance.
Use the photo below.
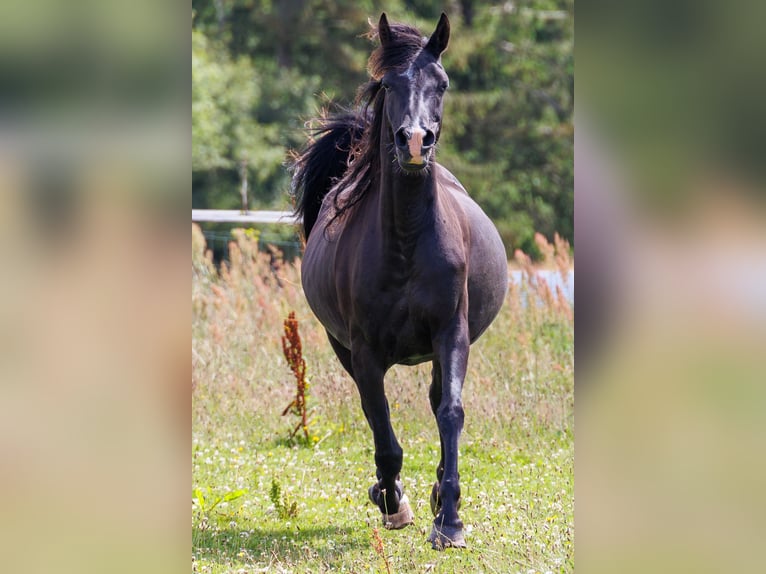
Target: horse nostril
(401, 137)
(429, 139)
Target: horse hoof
(403, 518)
(436, 504)
(446, 537)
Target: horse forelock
(399, 53)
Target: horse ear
(384, 30)
(438, 41)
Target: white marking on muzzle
(416, 146)
(416, 112)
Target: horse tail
(323, 162)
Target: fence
(218, 239)
(236, 216)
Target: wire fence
(218, 242)
(216, 226)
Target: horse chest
(402, 315)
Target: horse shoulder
(447, 180)
(487, 260)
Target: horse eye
(443, 87)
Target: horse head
(414, 98)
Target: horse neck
(406, 201)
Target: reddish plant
(379, 548)
(291, 347)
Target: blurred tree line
(261, 68)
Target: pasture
(262, 502)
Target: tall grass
(516, 450)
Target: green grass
(262, 503)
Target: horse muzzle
(414, 148)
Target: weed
(380, 549)
(207, 504)
(285, 507)
(292, 349)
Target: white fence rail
(237, 216)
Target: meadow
(263, 501)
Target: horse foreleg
(452, 350)
(387, 493)
(435, 396)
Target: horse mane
(323, 162)
(352, 138)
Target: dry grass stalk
(237, 310)
(554, 255)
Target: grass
(262, 502)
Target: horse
(400, 266)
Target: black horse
(401, 266)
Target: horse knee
(450, 487)
(450, 416)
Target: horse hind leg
(388, 492)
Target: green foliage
(262, 68)
(207, 504)
(509, 128)
(225, 94)
(240, 110)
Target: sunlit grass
(517, 449)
